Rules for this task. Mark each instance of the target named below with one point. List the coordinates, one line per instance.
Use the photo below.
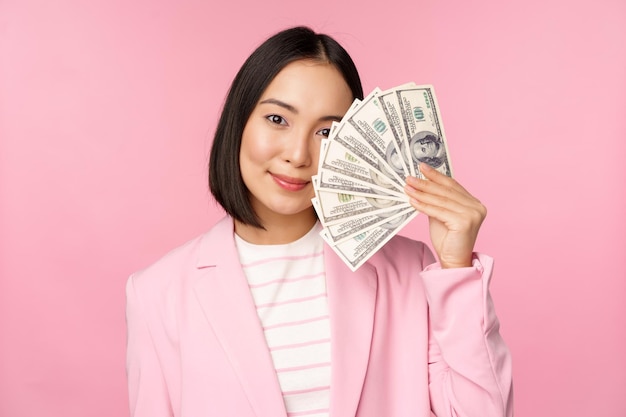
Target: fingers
(439, 189)
(456, 215)
(444, 198)
(437, 177)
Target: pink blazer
(405, 342)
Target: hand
(454, 215)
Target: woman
(257, 317)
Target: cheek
(315, 156)
(256, 147)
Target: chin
(295, 211)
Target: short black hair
(257, 72)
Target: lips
(289, 183)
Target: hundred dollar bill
(340, 159)
(356, 250)
(348, 136)
(363, 165)
(339, 232)
(370, 122)
(333, 207)
(390, 105)
(423, 128)
(327, 180)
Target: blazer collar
(217, 243)
(222, 291)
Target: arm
(147, 389)
(469, 364)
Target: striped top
(289, 289)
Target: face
(425, 149)
(281, 140)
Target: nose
(298, 149)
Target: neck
(277, 230)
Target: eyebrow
(292, 109)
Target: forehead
(310, 85)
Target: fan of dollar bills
(364, 163)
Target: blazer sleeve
(147, 389)
(469, 363)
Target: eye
(324, 132)
(276, 119)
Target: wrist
(461, 263)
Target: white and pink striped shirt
(289, 289)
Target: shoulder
(172, 267)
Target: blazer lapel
(222, 291)
(352, 299)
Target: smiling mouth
(289, 183)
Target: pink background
(106, 113)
